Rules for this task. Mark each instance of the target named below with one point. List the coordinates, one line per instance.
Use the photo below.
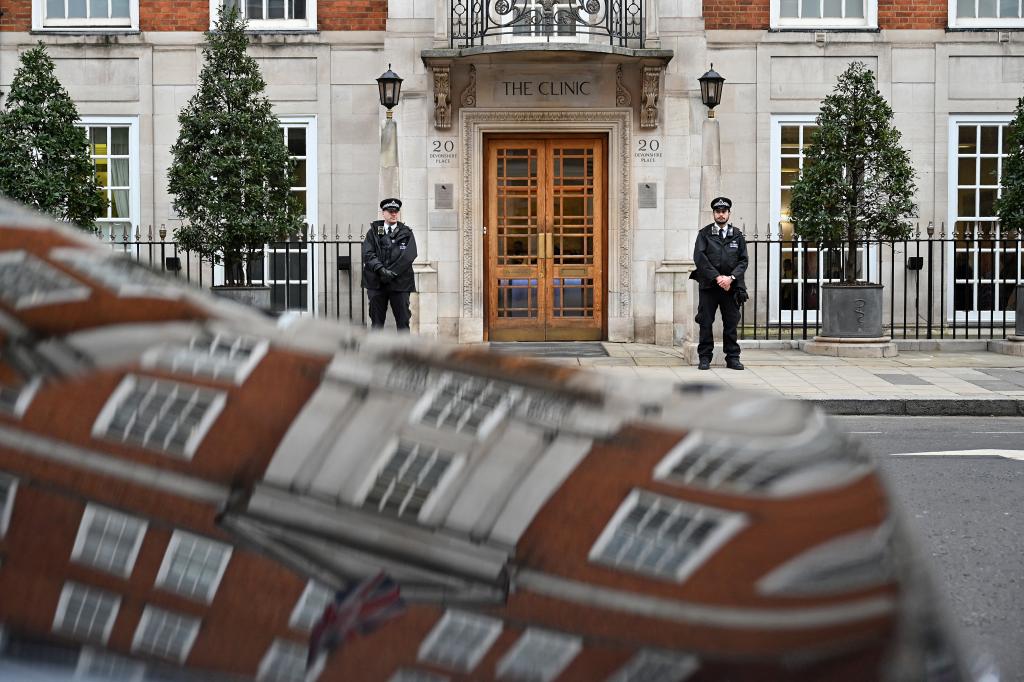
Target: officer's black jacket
(714, 256)
(394, 253)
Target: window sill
(85, 30)
(825, 29)
(1016, 28)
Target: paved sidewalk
(915, 382)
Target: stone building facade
(554, 255)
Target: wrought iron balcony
(491, 22)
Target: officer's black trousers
(711, 300)
(379, 301)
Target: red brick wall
(236, 629)
(736, 14)
(239, 444)
(17, 15)
(174, 15)
(352, 15)
(756, 14)
(194, 15)
(902, 14)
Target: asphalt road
(968, 513)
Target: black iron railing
(317, 273)
(480, 22)
(937, 285)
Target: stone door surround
(617, 124)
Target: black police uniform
(385, 255)
(714, 256)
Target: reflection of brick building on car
(183, 483)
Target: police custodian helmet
(721, 203)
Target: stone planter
(257, 297)
(851, 311)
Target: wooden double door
(546, 237)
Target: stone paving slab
(968, 382)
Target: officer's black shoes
(704, 364)
(733, 364)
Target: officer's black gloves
(386, 275)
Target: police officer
(720, 257)
(389, 250)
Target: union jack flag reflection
(358, 609)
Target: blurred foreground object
(185, 484)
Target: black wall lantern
(711, 90)
(390, 85)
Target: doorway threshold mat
(553, 349)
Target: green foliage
(229, 174)
(1010, 206)
(44, 156)
(857, 182)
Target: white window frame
(796, 315)
(177, 538)
(952, 176)
(682, 666)
(88, 516)
(984, 22)
(491, 627)
(728, 523)
(799, 475)
(8, 508)
(152, 611)
(870, 20)
(508, 396)
(134, 173)
(307, 24)
(132, 671)
(69, 289)
(309, 122)
(546, 670)
(23, 397)
(195, 358)
(62, 607)
(116, 271)
(124, 390)
(77, 25)
(296, 621)
(854, 561)
(458, 460)
(275, 651)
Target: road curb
(935, 407)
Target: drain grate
(553, 349)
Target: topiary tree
(44, 156)
(229, 175)
(857, 182)
(1010, 205)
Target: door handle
(545, 245)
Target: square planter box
(851, 311)
(257, 297)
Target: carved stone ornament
(469, 94)
(649, 97)
(622, 96)
(442, 97)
